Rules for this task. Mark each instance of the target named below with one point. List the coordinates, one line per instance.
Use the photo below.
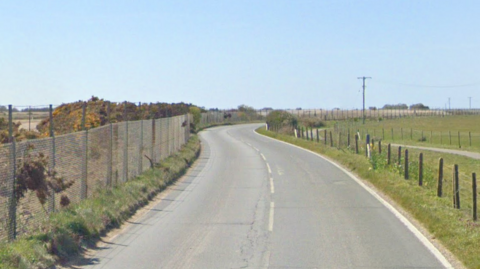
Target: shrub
(281, 118)
(312, 122)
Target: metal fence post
(125, 145)
(140, 150)
(83, 183)
(153, 142)
(110, 147)
(51, 199)
(12, 203)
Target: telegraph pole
(364, 78)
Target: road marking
(423, 239)
(248, 143)
(272, 187)
(255, 148)
(269, 170)
(280, 171)
(263, 156)
(270, 222)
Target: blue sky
(280, 54)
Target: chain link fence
(92, 159)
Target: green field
(445, 132)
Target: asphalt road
(252, 202)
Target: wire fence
(376, 114)
(92, 159)
(445, 180)
(457, 139)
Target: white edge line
(272, 187)
(269, 170)
(392, 209)
(270, 221)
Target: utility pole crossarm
(364, 78)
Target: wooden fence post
(311, 134)
(331, 139)
(339, 140)
(474, 193)
(325, 137)
(389, 154)
(470, 138)
(399, 155)
(306, 133)
(348, 137)
(459, 144)
(440, 178)
(405, 174)
(456, 188)
(420, 169)
(356, 143)
(318, 137)
(401, 132)
(367, 140)
(380, 146)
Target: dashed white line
(270, 222)
(263, 156)
(269, 170)
(272, 187)
(255, 148)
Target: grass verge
(453, 228)
(71, 230)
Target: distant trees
(397, 106)
(418, 106)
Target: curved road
(252, 202)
